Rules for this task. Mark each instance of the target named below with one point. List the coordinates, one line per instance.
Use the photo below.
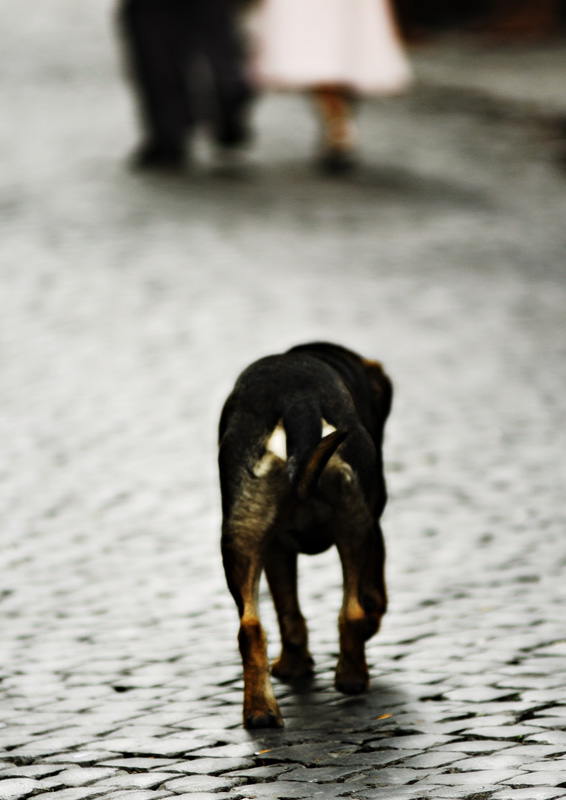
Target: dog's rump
(288, 415)
(305, 443)
(311, 442)
(294, 458)
(300, 438)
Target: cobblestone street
(129, 305)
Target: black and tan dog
(300, 470)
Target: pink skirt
(306, 43)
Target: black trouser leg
(223, 48)
(159, 37)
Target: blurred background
(131, 299)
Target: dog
(301, 469)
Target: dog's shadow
(312, 709)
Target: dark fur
(329, 490)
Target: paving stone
(136, 794)
(332, 774)
(166, 764)
(28, 771)
(169, 748)
(417, 742)
(71, 794)
(205, 796)
(256, 774)
(211, 766)
(375, 759)
(311, 754)
(532, 793)
(535, 751)
(200, 783)
(390, 776)
(548, 778)
(228, 751)
(523, 678)
(486, 721)
(477, 694)
(479, 778)
(81, 757)
(492, 761)
(287, 790)
(480, 746)
(551, 737)
(547, 722)
(406, 793)
(506, 732)
(12, 788)
(550, 764)
(433, 759)
(556, 710)
(44, 748)
(540, 696)
(140, 780)
(79, 776)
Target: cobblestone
(129, 304)
(70, 794)
(13, 788)
(136, 794)
(529, 794)
(201, 783)
(78, 776)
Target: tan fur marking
(327, 428)
(265, 465)
(277, 442)
(276, 448)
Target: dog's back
(286, 418)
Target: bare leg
(339, 138)
(295, 660)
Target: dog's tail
(308, 452)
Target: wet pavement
(129, 305)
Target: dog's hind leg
(243, 567)
(364, 603)
(295, 660)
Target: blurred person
(164, 39)
(336, 50)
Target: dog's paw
(263, 718)
(351, 679)
(293, 666)
(351, 686)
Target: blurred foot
(338, 162)
(232, 126)
(155, 155)
(339, 147)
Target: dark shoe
(232, 125)
(339, 146)
(338, 161)
(158, 156)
